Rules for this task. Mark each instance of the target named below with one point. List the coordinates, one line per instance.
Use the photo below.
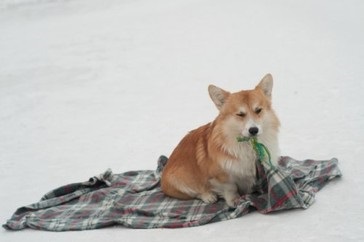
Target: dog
(209, 162)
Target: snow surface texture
(90, 84)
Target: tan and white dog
(209, 162)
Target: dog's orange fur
(209, 162)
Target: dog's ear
(218, 96)
(266, 85)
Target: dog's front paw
(233, 201)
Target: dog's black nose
(253, 131)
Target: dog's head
(246, 113)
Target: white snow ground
(90, 84)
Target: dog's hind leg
(208, 197)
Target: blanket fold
(134, 199)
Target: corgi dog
(209, 162)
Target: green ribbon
(260, 149)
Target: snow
(90, 84)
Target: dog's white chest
(242, 170)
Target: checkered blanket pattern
(134, 199)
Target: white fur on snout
(251, 124)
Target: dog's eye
(241, 114)
(258, 110)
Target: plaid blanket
(134, 199)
